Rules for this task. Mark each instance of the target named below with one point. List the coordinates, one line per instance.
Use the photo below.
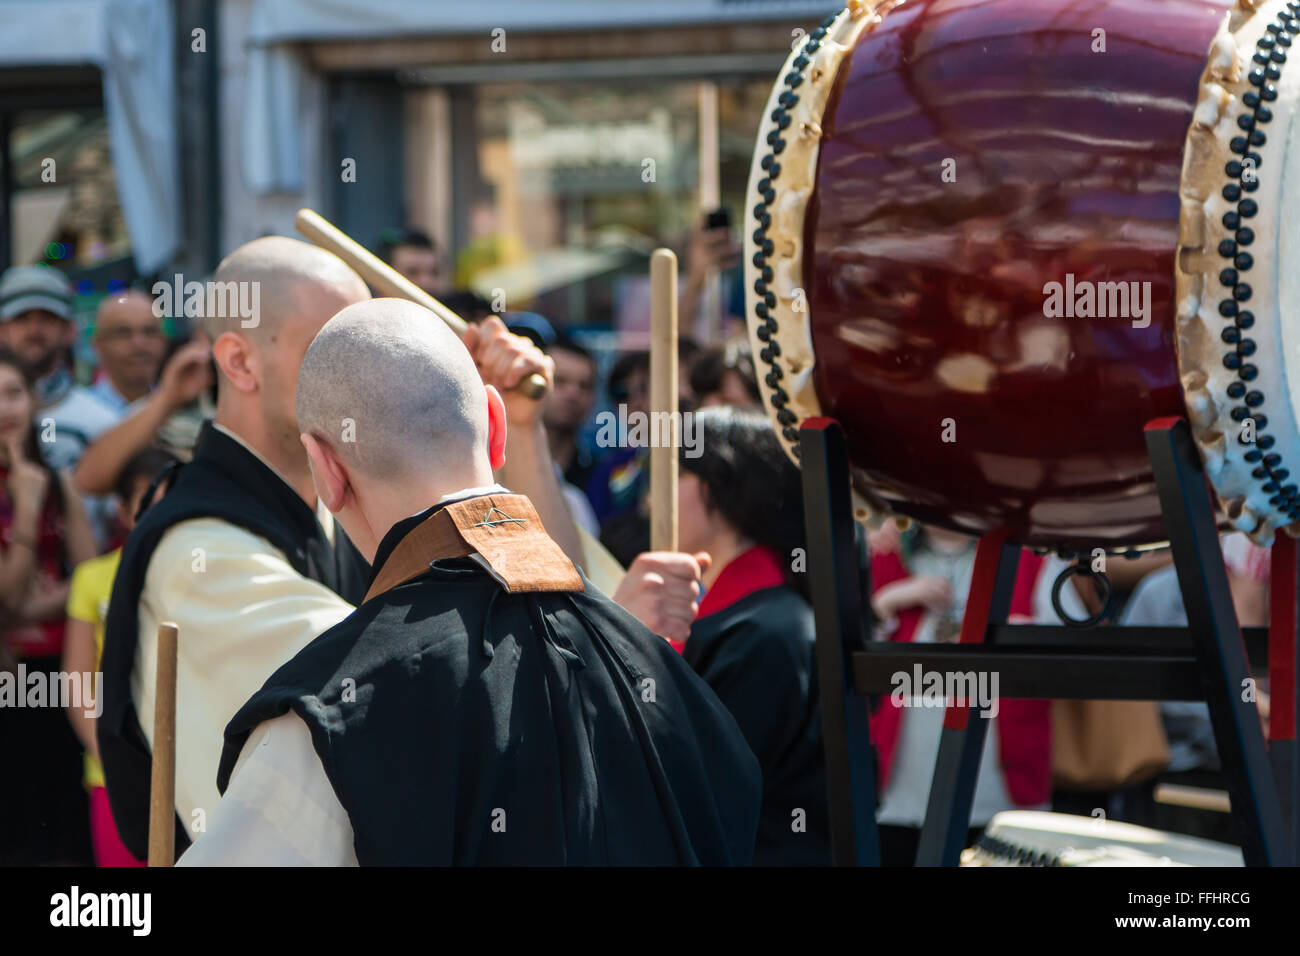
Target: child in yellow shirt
(88, 594)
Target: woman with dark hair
(741, 501)
(44, 531)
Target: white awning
(280, 21)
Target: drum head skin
(968, 243)
(1035, 838)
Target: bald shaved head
(281, 267)
(393, 391)
(294, 288)
(115, 304)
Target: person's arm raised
(47, 601)
(28, 484)
(79, 658)
(78, 538)
(504, 360)
(183, 380)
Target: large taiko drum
(995, 238)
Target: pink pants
(109, 850)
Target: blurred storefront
(546, 146)
(549, 146)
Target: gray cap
(34, 287)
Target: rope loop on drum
(1081, 569)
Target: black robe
(757, 655)
(460, 723)
(223, 480)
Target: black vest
(225, 480)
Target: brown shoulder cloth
(503, 530)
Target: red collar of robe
(753, 570)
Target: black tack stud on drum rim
(781, 120)
(1270, 56)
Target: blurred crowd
(79, 460)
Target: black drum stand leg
(841, 628)
(961, 743)
(1217, 642)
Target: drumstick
(601, 566)
(162, 786)
(663, 398)
(388, 281)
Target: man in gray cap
(36, 324)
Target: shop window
(577, 183)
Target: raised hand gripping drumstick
(162, 785)
(663, 398)
(388, 281)
(601, 566)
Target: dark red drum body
(987, 255)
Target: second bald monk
(482, 705)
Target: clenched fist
(504, 360)
(662, 589)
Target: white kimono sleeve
(279, 808)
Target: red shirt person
(43, 533)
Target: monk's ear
(236, 360)
(329, 474)
(496, 428)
